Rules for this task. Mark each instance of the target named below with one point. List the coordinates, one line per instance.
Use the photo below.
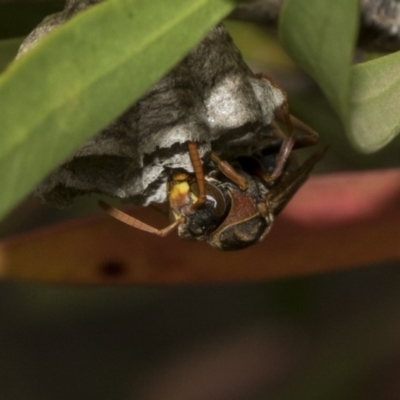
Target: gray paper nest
(211, 97)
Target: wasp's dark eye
(203, 221)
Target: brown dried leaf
(335, 222)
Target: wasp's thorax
(234, 218)
(230, 218)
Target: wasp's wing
(282, 192)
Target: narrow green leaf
(84, 75)
(320, 35)
(375, 99)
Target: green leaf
(375, 99)
(320, 35)
(83, 75)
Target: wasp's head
(197, 222)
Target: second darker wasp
(232, 205)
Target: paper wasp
(232, 205)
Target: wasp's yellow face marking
(179, 194)
(178, 191)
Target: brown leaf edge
(335, 222)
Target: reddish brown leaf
(335, 222)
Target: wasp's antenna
(135, 223)
(311, 137)
(199, 173)
(229, 171)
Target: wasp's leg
(311, 137)
(127, 219)
(286, 147)
(281, 193)
(229, 172)
(289, 140)
(199, 173)
(291, 122)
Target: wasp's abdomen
(244, 225)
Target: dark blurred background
(334, 336)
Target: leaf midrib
(29, 133)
